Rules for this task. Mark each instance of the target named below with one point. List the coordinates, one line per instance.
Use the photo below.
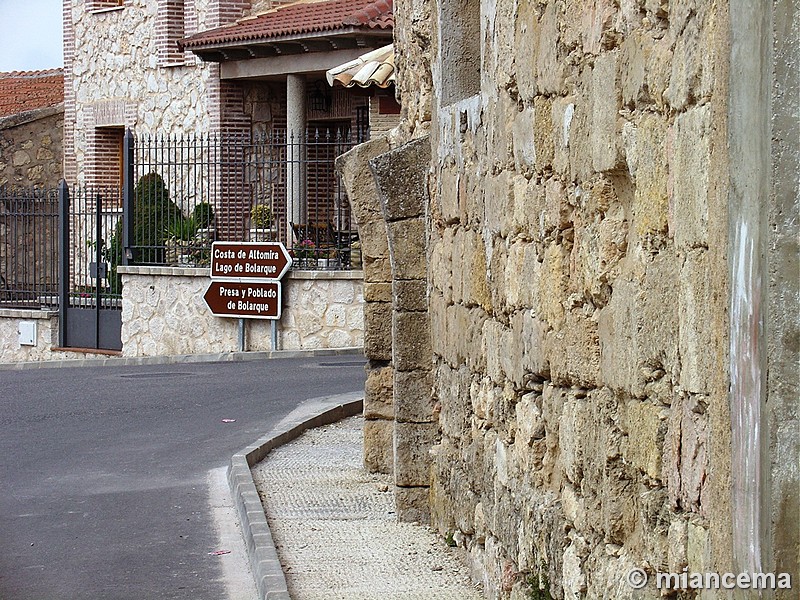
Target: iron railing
(28, 247)
(187, 191)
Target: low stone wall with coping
(44, 324)
(163, 313)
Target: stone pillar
(295, 150)
(368, 213)
(402, 179)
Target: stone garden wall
(163, 313)
(31, 148)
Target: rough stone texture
(576, 245)
(166, 315)
(31, 148)
(402, 184)
(368, 214)
(46, 337)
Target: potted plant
(178, 239)
(261, 224)
(306, 254)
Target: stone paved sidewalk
(335, 530)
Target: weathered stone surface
(645, 430)
(412, 397)
(407, 243)
(412, 444)
(378, 454)
(412, 504)
(378, 330)
(570, 295)
(401, 178)
(689, 164)
(411, 335)
(410, 295)
(378, 394)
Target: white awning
(373, 68)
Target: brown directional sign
(249, 260)
(251, 299)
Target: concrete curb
(121, 361)
(261, 552)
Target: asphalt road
(104, 471)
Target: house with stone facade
(236, 70)
(582, 296)
(220, 106)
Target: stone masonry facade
(31, 148)
(127, 72)
(561, 381)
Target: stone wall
(163, 313)
(46, 324)
(578, 296)
(577, 237)
(31, 148)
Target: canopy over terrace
(293, 45)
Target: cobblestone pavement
(335, 529)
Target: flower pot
(263, 235)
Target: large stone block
(407, 242)
(410, 295)
(412, 459)
(574, 351)
(412, 397)
(401, 175)
(689, 164)
(646, 429)
(696, 337)
(651, 202)
(378, 396)
(412, 504)
(411, 341)
(605, 97)
(378, 446)
(378, 330)
(452, 395)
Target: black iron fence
(180, 194)
(28, 247)
(185, 192)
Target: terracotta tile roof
(373, 68)
(21, 91)
(298, 18)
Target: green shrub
(203, 215)
(153, 214)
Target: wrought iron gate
(90, 298)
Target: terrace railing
(184, 192)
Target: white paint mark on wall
(568, 114)
(746, 392)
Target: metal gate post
(63, 261)
(128, 146)
(98, 270)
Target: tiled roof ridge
(369, 12)
(295, 18)
(31, 74)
